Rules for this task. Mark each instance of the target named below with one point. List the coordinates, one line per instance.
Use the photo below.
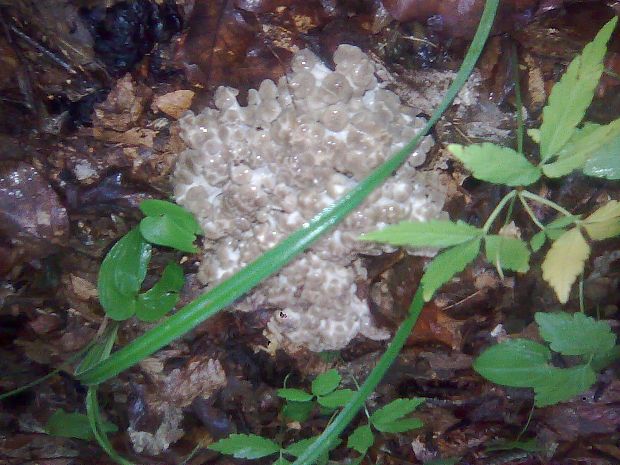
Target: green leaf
(538, 240)
(605, 163)
(561, 384)
(507, 253)
(296, 395)
(578, 151)
(534, 135)
(572, 95)
(325, 383)
(448, 263)
(563, 221)
(181, 216)
(297, 411)
(395, 410)
(601, 361)
(336, 399)
(575, 334)
(163, 296)
(399, 426)
(604, 223)
(361, 439)
(73, 425)
(434, 233)
(281, 461)
(498, 165)
(298, 448)
(516, 363)
(121, 274)
(531, 445)
(245, 446)
(565, 261)
(163, 230)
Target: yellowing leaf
(571, 96)
(565, 261)
(496, 164)
(604, 222)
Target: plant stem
(498, 209)
(518, 101)
(530, 212)
(542, 200)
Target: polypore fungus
(253, 174)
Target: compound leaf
(575, 334)
(326, 383)
(516, 363)
(572, 95)
(496, 164)
(361, 439)
(604, 223)
(163, 296)
(564, 262)
(448, 263)
(560, 384)
(434, 233)
(508, 253)
(245, 446)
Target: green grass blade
(348, 413)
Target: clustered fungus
(253, 174)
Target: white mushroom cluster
(253, 174)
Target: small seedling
(527, 364)
(391, 418)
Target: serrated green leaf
(531, 445)
(336, 399)
(507, 253)
(448, 263)
(395, 410)
(564, 262)
(601, 361)
(516, 363)
(538, 240)
(563, 221)
(575, 334)
(181, 216)
(297, 448)
(296, 395)
(576, 153)
(297, 411)
(163, 296)
(245, 446)
(325, 383)
(604, 223)
(434, 233)
(560, 384)
(163, 230)
(605, 163)
(361, 439)
(121, 274)
(572, 95)
(496, 164)
(73, 425)
(399, 426)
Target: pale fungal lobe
(253, 174)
